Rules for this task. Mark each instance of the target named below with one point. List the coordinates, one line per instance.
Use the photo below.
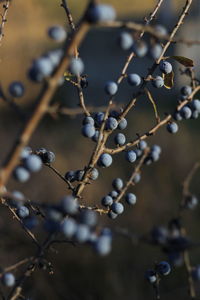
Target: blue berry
(125, 40)
(57, 33)
(137, 178)
(140, 48)
(158, 82)
(70, 176)
(191, 202)
(150, 275)
(82, 233)
(113, 194)
(160, 29)
(100, 13)
(163, 268)
(68, 227)
(134, 79)
(112, 215)
(95, 137)
(138, 152)
(122, 124)
(8, 279)
(117, 184)
(99, 118)
(111, 88)
(159, 235)
(156, 148)
(43, 66)
(117, 208)
(107, 201)
(177, 116)
(120, 139)
(33, 163)
(195, 114)
(130, 198)
(142, 145)
(195, 104)
(172, 127)
(55, 56)
(23, 212)
(88, 120)
(186, 90)
(111, 123)
(69, 205)
(79, 175)
(154, 155)
(103, 245)
(88, 130)
(88, 217)
(131, 156)
(30, 222)
(105, 160)
(186, 112)
(16, 89)
(21, 174)
(76, 66)
(165, 67)
(46, 156)
(94, 174)
(25, 152)
(155, 51)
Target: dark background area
(78, 272)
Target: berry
(120, 139)
(165, 67)
(33, 163)
(99, 118)
(94, 174)
(69, 205)
(186, 90)
(177, 116)
(195, 104)
(140, 48)
(195, 114)
(21, 174)
(172, 127)
(105, 160)
(79, 175)
(55, 56)
(112, 215)
(142, 145)
(122, 124)
(158, 82)
(46, 156)
(137, 178)
(68, 227)
(70, 176)
(88, 120)
(117, 208)
(57, 33)
(163, 268)
(111, 88)
(23, 212)
(30, 222)
(134, 79)
(100, 13)
(159, 235)
(16, 89)
(107, 201)
(130, 156)
(125, 40)
(103, 245)
(191, 202)
(185, 112)
(88, 217)
(8, 279)
(130, 198)
(160, 29)
(96, 136)
(155, 51)
(150, 275)
(113, 194)
(111, 123)
(43, 66)
(88, 130)
(117, 184)
(76, 66)
(82, 233)
(25, 152)
(156, 148)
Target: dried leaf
(168, 80)
(187, 62)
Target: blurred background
(78, 272)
